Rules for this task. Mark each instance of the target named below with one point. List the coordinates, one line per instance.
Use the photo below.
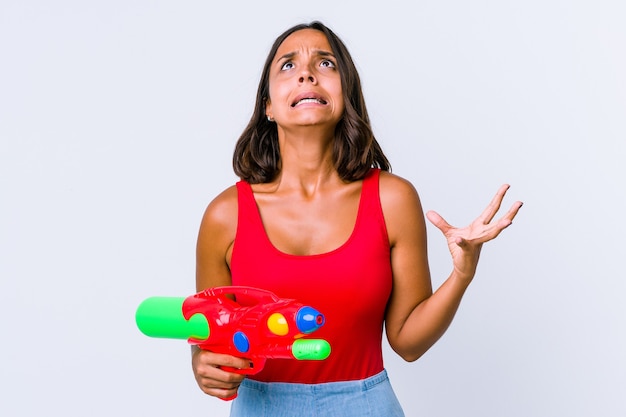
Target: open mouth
(309, 100)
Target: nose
(307, 75)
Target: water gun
(257, 326)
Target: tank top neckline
(372, 175)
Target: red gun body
(256, 325)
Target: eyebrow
(318, 52)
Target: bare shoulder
(401, 206)
(215, 240)
(219, 222)
(395, 190)
(221, 212)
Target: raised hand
(465, 243)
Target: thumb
(438, 221)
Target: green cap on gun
(310, 349)
(163, 317)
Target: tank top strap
(244, 193)
(369, 217)
(371, 211)
(370, 184)
(249, 223)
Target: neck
(306, 160)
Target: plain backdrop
(117, 125)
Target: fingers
(482, 229)
(438, 221)
(494, 205)
(213, 380)
(510, 215)
(222, 360)
(505, 221)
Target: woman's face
(304, 82)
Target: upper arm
(215, 240)
(406, 229)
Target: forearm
(430, 319)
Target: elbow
(409, 355)
(410, 346)
(410, 358)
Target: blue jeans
(370, 397)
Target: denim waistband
(339, 386)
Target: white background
(117, 124)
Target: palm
(465, 243)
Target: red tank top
(349, 285)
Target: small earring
(269, 119)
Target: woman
(319, 218)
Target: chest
(301, 226)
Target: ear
(268, 108)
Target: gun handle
(256, 364)
(229, 398)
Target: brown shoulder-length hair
(355, 150)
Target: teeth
(310, 100)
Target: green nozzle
(310, 349)
(163, 317)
